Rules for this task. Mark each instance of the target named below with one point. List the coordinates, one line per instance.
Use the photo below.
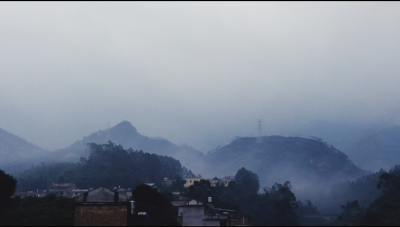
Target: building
(178, 200)
(227, 179)
(190, 181)
(194, 213)
(101, 207)
(62, 189)
(78, 191)
(168, 182)
(127, 192)
(30, 193)
(215, 181)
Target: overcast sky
(199, 73)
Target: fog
(199, 73)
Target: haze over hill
(15, 151)
(310, 165)
(369, 146)
(126, 135)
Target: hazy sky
(199, 73)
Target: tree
(7, 188)
(248, 179)
(389, 183)
(200, 191)
(8, 185)
(283, 203)
(351, 205)
(155, 204)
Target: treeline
(363, 189)
(274, 206)
(108, 165)
(383, 210)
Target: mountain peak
(125, 126)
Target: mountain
(310, 165)
(371, 147)
(126, 135)
(17, 153)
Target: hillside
(371, 147)
(108, 165)
(16, 153)
(126, 135)
(310, 165)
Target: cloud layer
(195, 72)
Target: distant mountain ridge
(310, 165)
(16, 152)
(127, 135)
(370, 146)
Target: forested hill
(304, 162)
(16, 152)
(127, 135)
(108, 165)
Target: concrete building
(62, 189)
(127, 192)
(101, 207)
(178, 200)
(78, 191)
(168, 182)
(190, 181)
(227, 179)
(194, 213)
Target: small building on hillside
(62, 189)
(168, 182)
(101, 207)
(227, 179)
(190, 181)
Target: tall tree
(7, 188)
(248, 179)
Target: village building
(194, 213)
(190, 181)
(168, 182)
(127, 192)
(227, 179)
(62, 189)
(101, 207)
(78, 191)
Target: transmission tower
(259, 127)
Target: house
(190, 181)
(127, 192)
(24, 194)
(101, 206)
(30, 193)
(215, 181)
(62, 189)
(194, 213)
(168, 182)
(178, 200)
(227, 179)
(78, 191)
